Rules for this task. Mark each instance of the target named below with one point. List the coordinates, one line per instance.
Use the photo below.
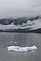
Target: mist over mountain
(23, 24)
(16, 21)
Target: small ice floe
(15, 42)
(21, 49)
(10, 41)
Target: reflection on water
(20, 39)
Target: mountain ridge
(21, 24)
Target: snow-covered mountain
(21, 24)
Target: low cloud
(18, 8)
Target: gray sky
(18, 8)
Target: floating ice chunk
(15, 42)
(17, 48)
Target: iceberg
(21, 49)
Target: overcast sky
(18, 8)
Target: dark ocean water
(20, 39)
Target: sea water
(22, 40)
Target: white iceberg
(17, 48)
